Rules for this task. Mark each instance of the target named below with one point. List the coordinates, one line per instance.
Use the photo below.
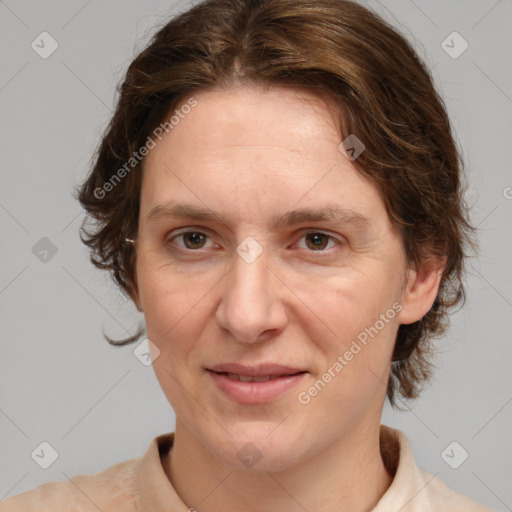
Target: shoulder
(414, 489)
(444, 499)
(110, 489)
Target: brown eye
(193, 239)
(317, 241)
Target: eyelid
(338, 239)
(191, 229)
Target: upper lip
(260, 370)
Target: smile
(260, 389)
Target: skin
(249, 154)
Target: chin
(259, 446)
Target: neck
(349, 476)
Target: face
(259, 244)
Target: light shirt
(141, 485)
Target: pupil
(195, 238)
(317, 240)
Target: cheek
(360, 319)
(346, 304)
(175, 316)
(174, 308)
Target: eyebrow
(331, 214)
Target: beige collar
(412, 489)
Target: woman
(279, 193)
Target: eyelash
(319, 252)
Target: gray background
(97, 405)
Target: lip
(260, 370)
(255, 392)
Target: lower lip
(255, 392)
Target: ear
(134, 292)
(421, 289)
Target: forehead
(277, 115)
(252, 151)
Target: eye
(318, 240)
(315, 241)
(191, 239)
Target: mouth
(255, 385)
(261, 378)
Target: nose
(251, 307)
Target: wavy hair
(346, 54)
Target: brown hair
(348, 55)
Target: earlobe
(136, 299)
(134, 293)
(421, 290)
(138, 305)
